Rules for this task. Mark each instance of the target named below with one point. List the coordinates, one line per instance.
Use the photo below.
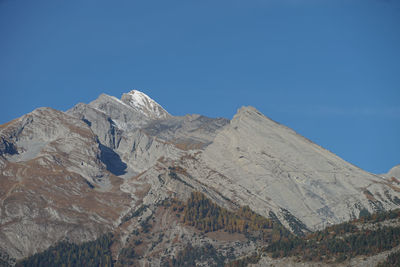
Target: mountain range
(111, 166)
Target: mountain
(286, 169)
(129, 168)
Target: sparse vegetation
(173, 174)
(189, 255)
(134, 214)
(392, 260)
(243, 262)
(126, 257)
(5, 259)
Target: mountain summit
(143, 103)
(107, 114)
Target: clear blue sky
(329, 69)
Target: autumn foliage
(205, 215)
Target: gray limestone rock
(394, 172)
(281, 167)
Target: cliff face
(281, 167)
(108, 165)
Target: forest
(93, 253)
(203, 214)
(189, 255)
(342, 241)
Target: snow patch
(144, 104)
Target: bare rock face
(192, 131)
(99, 122)
(286, 170)
(394, 172)
(53, 185)
(107, 166)
(58, 138)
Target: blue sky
(329, 69)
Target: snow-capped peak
(143, 103)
